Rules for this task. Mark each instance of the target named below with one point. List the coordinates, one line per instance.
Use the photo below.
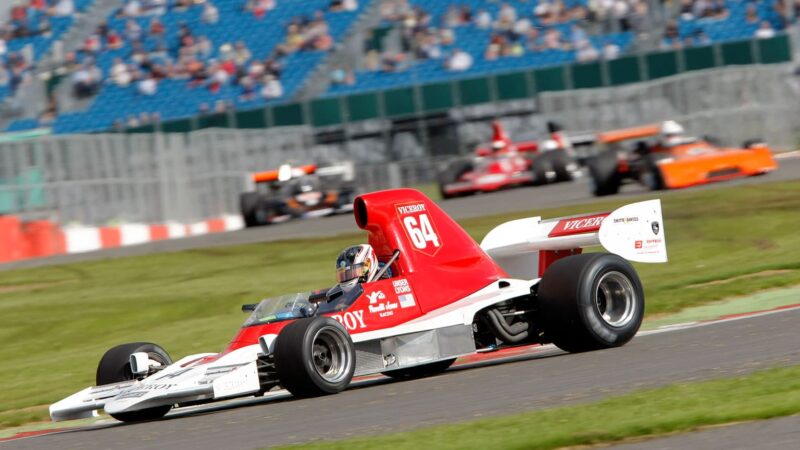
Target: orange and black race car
(297, 192)
(660, 156)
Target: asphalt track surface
(514, 200)
(776, 434)
(543, 377)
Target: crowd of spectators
(194, 58)
(26, 19)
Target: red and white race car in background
(506, 164)
(447, 296)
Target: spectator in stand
(483, 19)
(343, 5)
(3, 47)
(459, 61)
(147, 86)
(259, 8)
(343, 77)
(132, 8)
(62, 8)
(765, 30)
(552, 39)
(610, 51)
(86, 81)
(586, 51)
(671, 39)
(751, 16)
(120, 73)
(506, 17)
(210, 13)
(272, 87)
(5, 75)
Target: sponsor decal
(419, 228)
(655, 226)
(577, 225)
(410, 209)
(406, 301)
(132, 394)
(637, 244)
(378, 303)
(401, 286)
(175, 374)
(626, 219)
(351, 320)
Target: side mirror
(140, 363)
(250, 307)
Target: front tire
(115, 366)
(249, 204)
(591, 301)
(314, 357)
(543, 170)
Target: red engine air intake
(441, 261)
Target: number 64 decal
(420, 231)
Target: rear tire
(421, 371)
(248, 205)
(591, 301)
(603, 169)
(543, 170)
(115, 366)
(314, 357)
(652, 177)
(561, 164)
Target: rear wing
(525, 247)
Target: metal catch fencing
(157, 178)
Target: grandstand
(158, 76)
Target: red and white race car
(506, 164)
(447, 296)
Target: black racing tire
(652, 177)
(249, 205)
(753, 143)
(454, 171)
(115, 366)
(603, 171)
(543, 170)
(590, 301)
(314, 356)
(420, 371)
(561, 165)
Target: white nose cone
(636, 232)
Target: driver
(356, 264)
(671, 133)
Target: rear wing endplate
(634, 232)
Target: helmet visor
(350, 272)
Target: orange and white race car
(661, 156)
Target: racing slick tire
(590, 302)
(420, 371)
(454, 171)
(248, 205)
(603, 170)
(543, 170)
(115, 366)
(314, 356)
(652, 177)
(563, 165)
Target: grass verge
(680, 407)
(58, 320)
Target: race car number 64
(421, 232)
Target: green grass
(57, 321)
(680, 407)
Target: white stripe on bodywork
(461, 312)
